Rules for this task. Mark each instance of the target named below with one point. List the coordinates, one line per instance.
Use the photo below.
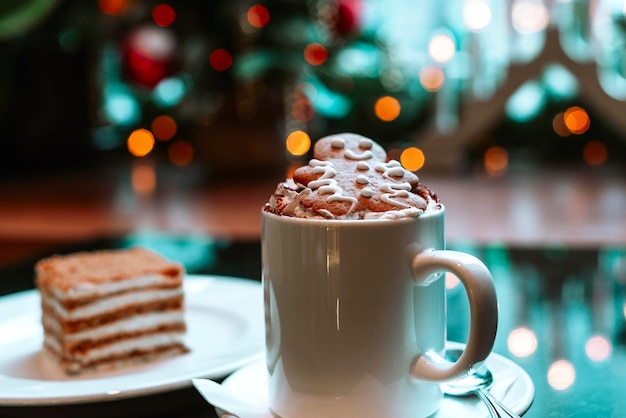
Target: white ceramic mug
(356, 315)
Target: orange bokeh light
(315, 54)
(143, 177)
(595, 153)
(412, 159)
(303, 110)
(576, 120)
(387, 108)
(220, 60)
(432, 78)
(496, 161)
(558, 124)
(180, 152)
(258, 16)
(298, 143)
(112, 7)
(163, 15)
(164, 127)
(140, 142)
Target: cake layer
(74, 273)
(72, 326)
(130, 325)
(86, 293)
(133, 350)
(110, 304)
(119, 348)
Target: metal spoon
(476, 383)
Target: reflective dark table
(562, 319)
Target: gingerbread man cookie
(350, 178)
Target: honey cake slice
(110, 307)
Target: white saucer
(512, 385)
(220, 309)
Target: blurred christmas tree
(223, 84)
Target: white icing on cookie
(362, 165)
(338, 143)
(361, 179)
(365, 155)
(393, 191)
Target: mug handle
(483, 306)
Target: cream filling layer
(122, 347)
(136, 323)
(104, 305)
(91, 289)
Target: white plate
(512, 385)
(225, 331)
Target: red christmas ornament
(148, 55)
(349, 15)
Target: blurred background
(239, 87)
(168, 123)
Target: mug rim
(440, 211)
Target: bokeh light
(180, 152)
(258, 16)
(441, 48)
(143, 177)
(522, 342)
(598, 348)
(452, 280)
(496, 161)
(302, 110)
(561, 374)
(164, 127)
(529, 16)
(476, 15)
(315, 53)
(298, 143)
(112, 7)
(163, 15)
(577, 120)
(595, 153)
(412, 159)
(432, 78)
(558, 124)
(220, 59)
(140, 142)
(387, 108)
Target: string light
(522, 342)
(164, 127)
(258, 16)
(595, 153)
(298, 143)
(112, 7)
(476, 15)
(412, 159)
(143, 177)
(220, 60)
(432, 78)
(598, 348)
(441, 48)
(576, 120)
(387, 108)
(558, 124)
(496, 161)
(315, 53)
(302, 110)
(140, 142)
(163, 15)
(561, 374)
(180, 152)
